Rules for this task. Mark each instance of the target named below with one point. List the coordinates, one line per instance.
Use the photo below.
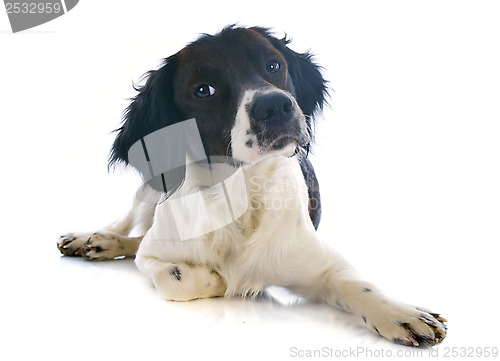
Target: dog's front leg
(113, 240)
(181, 281)
(329, 278)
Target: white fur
(239, 134)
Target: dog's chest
(276, 205)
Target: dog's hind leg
(113, 240)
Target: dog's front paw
(103, 246)
(184, 282)
(406, 325)
(71, 244)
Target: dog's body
(253, 100)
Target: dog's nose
(274, 107)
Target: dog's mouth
(284, 141)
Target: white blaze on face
(244, 144)
(241, 137)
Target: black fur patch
(175, 272)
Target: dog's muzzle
(277, 121)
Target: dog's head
(251, 96)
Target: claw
(438, 317)
(413, 341)
(428, 322)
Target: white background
(408, 157)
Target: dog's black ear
(310, 86)
(151, 109)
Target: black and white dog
(251, 100)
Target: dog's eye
(272, 66)
(204, 91)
